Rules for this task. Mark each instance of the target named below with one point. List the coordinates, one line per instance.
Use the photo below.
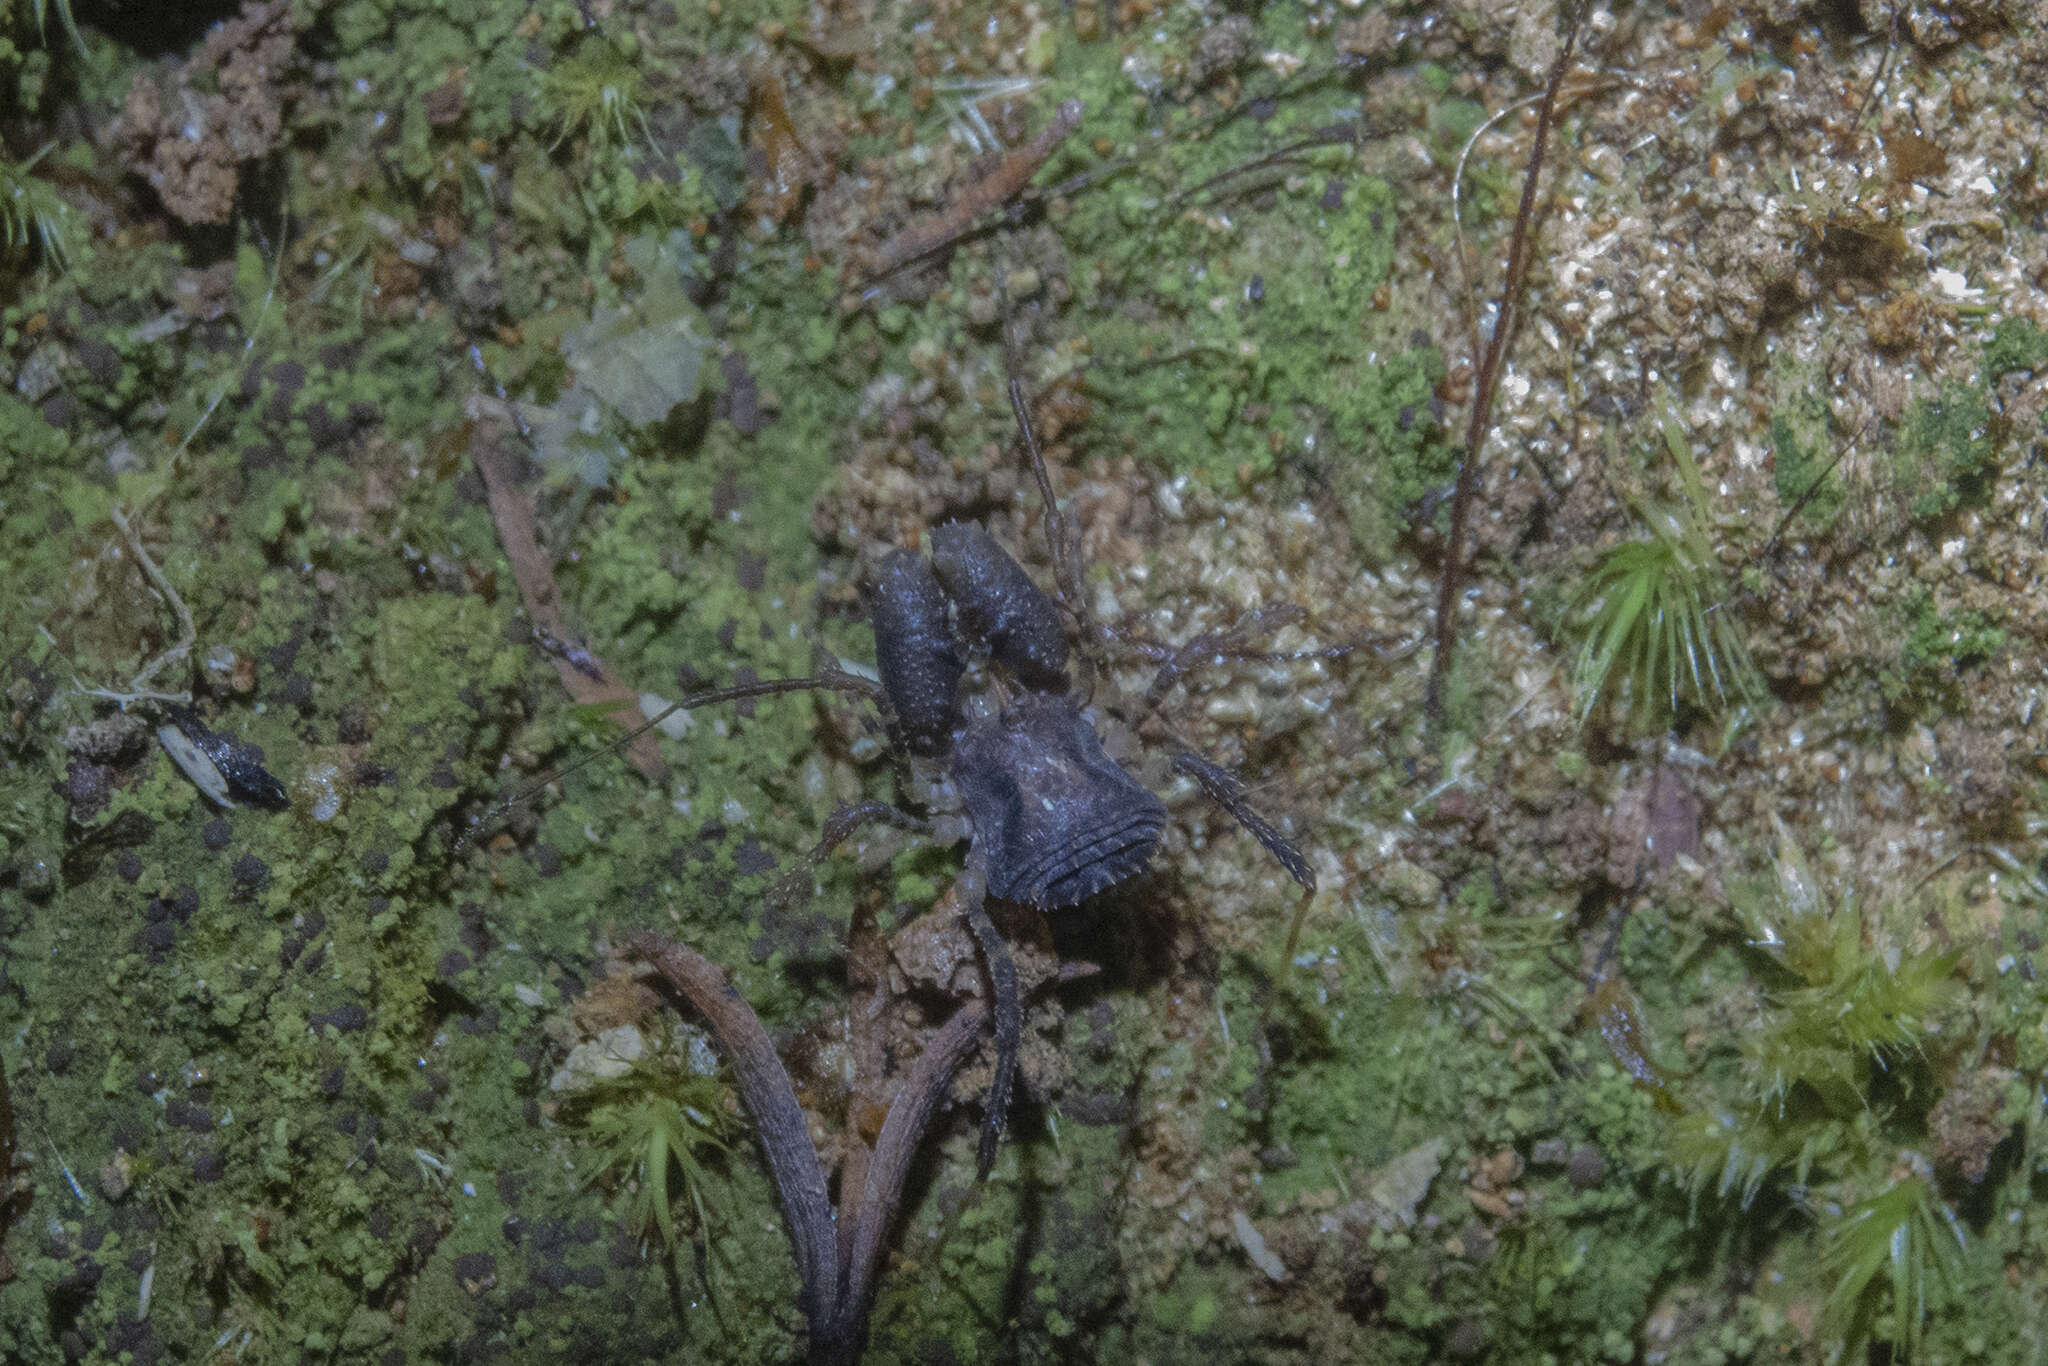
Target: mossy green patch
(1944, 455)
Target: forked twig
(977, 200)
(839, 1273)
(138, 689)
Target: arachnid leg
(793, 888)
(1221, 786)
(972, 891)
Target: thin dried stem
(1489, 380)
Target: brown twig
(534, 572)
(839, 1269)
(979, 199)
(1489, 380)
(778, 1120)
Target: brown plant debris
(190, 135)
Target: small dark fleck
(728, 631)
(443, 778)
(207, 1168)
(1098, 1111)
(484, 1022)
(1278, 1157)
(1586, 1169)
(739, 401)
(91, 1237)
(751, 571)
(262, 455)
(589, 1277)
(551, 1239)
(425, 1238)
(184, 901)
(476, 1271)
(751, 859)
(586, 1230)
(58, 410)
(59, 1056)
(1333, 196)
(547, 860)
(353, 726)
(180, 1114)
(101, 361)
(216, 834)
(1255, 289)
(726, 495)
(332, 1080)
(252, 875)
(513, 1229)
(475, 933)
(375, 862)
(1263, 108)
(158, 939)
(297, 690)
(443, 104)
(325, 427)
(1467, 1339)
(347, 1017)
(452, 965)
(129, 866)
(551, 1276)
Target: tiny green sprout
(598, 92)
(33, 214)
(654, 1128)
(1658, 630)
(1906, 1232)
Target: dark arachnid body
(1052, 817)
(1018, 768)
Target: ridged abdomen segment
(1057, 817)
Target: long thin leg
(830, 680)
(972, 890)
(1221, 786)
(793, 887)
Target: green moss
(2015, 344)
(1801, 468)
(1939, 651)
(1944, 454)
